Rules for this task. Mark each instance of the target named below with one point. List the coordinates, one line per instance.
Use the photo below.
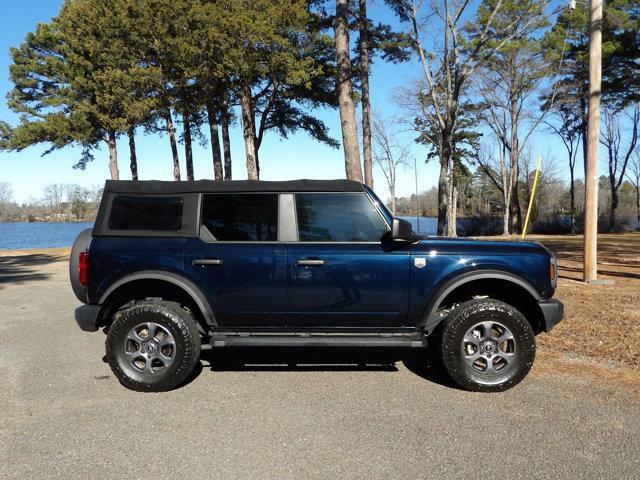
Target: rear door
(341, 272)
(238, 261)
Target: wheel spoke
(148, 368)
(490, 368)
(504, 354)
(167, 341)
(152, 330)
(167, 361)
(473, 357)
(507, 335)
(470, 338)
(487, 326)
(134, 337)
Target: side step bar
(308, 339)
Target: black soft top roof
(160, 187)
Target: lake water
(423, 225)
(23, 235)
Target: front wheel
(153, 346)
(487, 346)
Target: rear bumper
(87, 317)
(552, 311)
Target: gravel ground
(65, 416)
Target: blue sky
(296, 157)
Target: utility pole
(590, 254)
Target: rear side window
(241, 217)
(338, 217)
(163, 214)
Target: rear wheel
(153, 346)
(487, 345)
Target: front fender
(439, 267)
(429, 320)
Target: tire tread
(182, 320)
(459, 320)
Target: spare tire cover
(80, 245)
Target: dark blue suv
(170, 267)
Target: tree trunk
(249, 132)
(347, 108)
(392, 191)
(366, 102)
(572, 199)
(442, 197)
(452, 226)
(506, 190)
(226, 143)
(215, 143)
(615, 200)
(132, 153)
(188, 151)
(505, 221)
(638, 203)
(174, 147)
(514, 205)
(583, 127)
(113, 155)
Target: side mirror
(402, 231)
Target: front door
(341, 273)
(238, 261)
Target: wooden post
(590, 254)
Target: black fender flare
(430, 321)
(189, 287)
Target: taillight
(83, 269)
(553, 272)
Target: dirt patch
(601, 321)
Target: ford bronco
(173, 267)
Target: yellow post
(533, 192)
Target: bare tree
(508, 80)
(54, 195)
(548, 179)
(6, 199)
(570, 133)
(501, 176)
(634, 177)
(446, 69)
(388, 153)
(618, 153)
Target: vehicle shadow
(326, 359)
(18, 269)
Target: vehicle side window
(241, 217)
(146, 213)
(338, 217)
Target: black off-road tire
(168, 315)
(452, 351)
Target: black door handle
(207, 261)
(311, 262)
